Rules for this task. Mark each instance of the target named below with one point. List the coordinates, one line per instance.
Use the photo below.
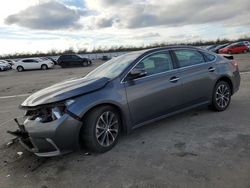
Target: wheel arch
(19, 66)
(116, 107)
(44, 65)
(228, 80)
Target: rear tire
(230, 52)
(44, 67)
(245, 51)
(221, 96)
(20, 69)
(101, 129)
(85, 64)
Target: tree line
(120, 48)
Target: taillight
(235, 63)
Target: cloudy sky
(42, 25)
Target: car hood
(63, 91)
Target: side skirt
(171, 114)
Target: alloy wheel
(85, 64)
(19, 69)
(222, 96)
(107, 129)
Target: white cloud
(117, 22)
(147, 13)
(13, 6)
(51, 15)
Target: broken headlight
(46, 114)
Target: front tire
(221, 96)
(89, 63)
(101, 129)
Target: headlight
(57, 112)
(48, 114)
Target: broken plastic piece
(10, 143)
(22, 128)
(19, 153)
(87, 153)
(19, 133)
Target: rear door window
(74, 57)
(26, 61)
(189, 57)
(65, 57)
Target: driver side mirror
(137, 73)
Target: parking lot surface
(199, 148)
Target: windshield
(114, 67)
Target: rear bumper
(53, 138)
(50, 66)
(236, 81)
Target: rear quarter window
(209, 57)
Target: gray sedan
(123, 94)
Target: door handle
(174, 79)
(211, 69)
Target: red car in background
(234, 49)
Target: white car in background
(10, 61)
(3, 66)
(32, 63)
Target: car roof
(30, 58)
(167, 48)
(140, 53)
(69, 55)
(236, 43)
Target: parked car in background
(32, 63)
(235, 48)
(105, 58)
(53, 60)
(247, 43)
(211, 47)
(8, 65)
(123, 94)
(4, 66)
(73, 61)
(217, 48)
(11, 62)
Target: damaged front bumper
(51, 138)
